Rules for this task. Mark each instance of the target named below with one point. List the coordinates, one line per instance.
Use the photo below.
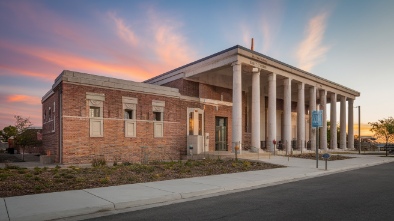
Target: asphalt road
(364, 194)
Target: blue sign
(326, 156)
(317, 118)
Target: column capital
(235, 63)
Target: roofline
(194, 62)
(256, 53)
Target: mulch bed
(16, 181)
(312, 156)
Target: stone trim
(95, 96)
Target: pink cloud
(23, 99)
(124, 31)
(141, 53)
(311, 50)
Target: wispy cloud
(124, 32)
(311, 50)
(267, 36)
(171, 46)
(112, 44)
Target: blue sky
(349, 42)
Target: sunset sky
(350, 42)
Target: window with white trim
(195, 122)
(96, 105)
(129, 115)
(158, 117)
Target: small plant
(3, 176)
(98, 162)
(57, 167)
(126, 163)
(104, 180)
(12, 167)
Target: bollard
(191, 150)
(326, 163)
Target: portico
(270, 100)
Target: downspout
(60, 126)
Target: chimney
(252, 46)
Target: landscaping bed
(312, 156)
(16, 181)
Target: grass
(16, 181)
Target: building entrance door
(195, 133)
(221, 134)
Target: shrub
(98, 162)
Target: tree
(329, 131)
(383, 129)
(23, 138)
(8, 132)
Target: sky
(349, 42)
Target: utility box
(197, 142)
(206, 143)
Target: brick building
(236, 97)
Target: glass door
(221, 134)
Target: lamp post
(359, 129)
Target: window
(129, 115)
(196, 121)
(158, 118)
(96, 106)
(94, 111)
(49, 114)
(191, 123)
(200, 124)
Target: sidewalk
(59, 205)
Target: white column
(333, 122)
(271, 111)
(342, 124)
(350, 125)
(323, 130)
(301, 117)
(287, 114)
(237, 106)
(312, 107)
(262, 113)
(256, 109)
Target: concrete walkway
(60, 205)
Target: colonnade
(314, 93)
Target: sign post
(326, 156)
(317, 121)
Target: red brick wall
(50, 138)
(79, 147)
(213, 92)
(187, 88)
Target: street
(364, 194)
